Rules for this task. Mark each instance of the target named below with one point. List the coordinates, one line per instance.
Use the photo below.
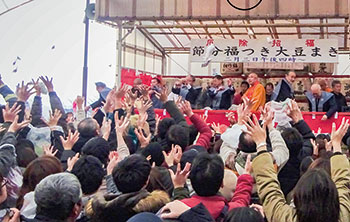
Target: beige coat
(274, 203)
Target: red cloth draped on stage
(129, 75)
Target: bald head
(137, 82)
(252, 78)
(316, 90)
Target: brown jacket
(274, 203)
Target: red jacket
(204, 130)
(215, 204)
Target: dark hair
(131, 174)
(158, 80)
(25, 156)
(97, 147)
(90, 173)
(316, 197)
(218, 77)
(25, 152)
(294, 141)
(321, 163)
(164, 126)
(155, 151)
(305, 164)
(245, 83)
(87, 127)
(246, 143)
(207, 174)
(24, 143)
(193, 78)
(177, 135)
(160, 179)
(244, 214)
(335, 82)
(71, 127)
(37, 170)
(269, 84)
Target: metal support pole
(120, 50)
(86, 47)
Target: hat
(97, 147)
(100, 84)
(145, 217)
(189, 155)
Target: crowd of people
(125, 163)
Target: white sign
(261, 50)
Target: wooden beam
(274, 29)
(243, 33)
(228, 29)
(189, 38)
(205, 29)
(346, 36)
(286, 25)
(175, 36)
(221, 31)
(298, 29)
(321, 30)
(170, 40)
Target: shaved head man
(316, 90)
(321, 101)
(256, 92)
(252, 78)
(324, 86)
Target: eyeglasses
(3, 183)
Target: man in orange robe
(256, 92)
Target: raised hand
(109, 105)
(114, 159)
(144, 141)
(23, 93)
(53, 118)
(70, 141)
(186, 108)
(15, 126)
(180, 177)
(338, 134)
(174, 156)
(294, 112)
(144, 107)
(80, 102)
(314, 146)
(48, 83)
(257, 133)
(36, 86)
(106, 128)
(216, 128)
(50, 150)
(71, 162)
(142, 120)
(163, 95)
(248, 165)
(120, 124)
(9, 114)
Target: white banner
(261, 50)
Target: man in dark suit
(284, 88)
(339, 97)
